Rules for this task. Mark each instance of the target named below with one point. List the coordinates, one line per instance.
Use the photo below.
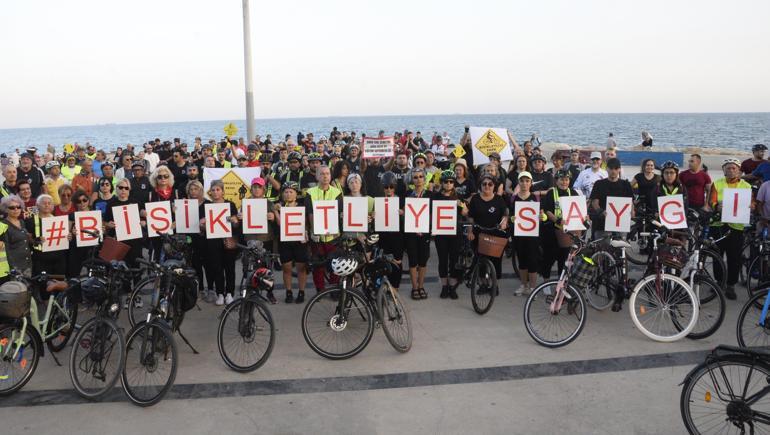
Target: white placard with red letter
(355, 214)
(386, 214)
(87, 220)
(127, 223)
(292, 224)
(618, 217)
(526, 223)
(187, 216)
(573, 212)
(254, 211)
(326, 217)
(444, 218)
(54, 231)
(217, 217)
(671, 211)
(158, 218)
(736, 205)
(417, 215)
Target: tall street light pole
(250, 124)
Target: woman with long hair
(220, 259)
(464, 185)
(162, 182)
(65, 206)
(340, 174)
(76, 256)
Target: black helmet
(669, 165)
(290, 185)
(314, 157)
(389, 179)
(562, 173)
(294, 156)
(448, 175)
(265, 157)
(759, 147)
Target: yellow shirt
(52, 187)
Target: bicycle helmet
(344, 266)
(562, 173)
(51, 164)
(419, 156)
(669, 165)
(294, 156)
(448, 175)
(372, 238)
(759, 147)
(265, 157)
(290, 185)
(389, 179)
(314, 157)
(731, 160)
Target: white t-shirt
(611, 143)
(585, 181)
(153, 159)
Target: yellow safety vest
(720, 185)
(672, 193)
(316, 194)
(37, 246)
(69, 173)
(556, 207)
(91, 156)
(5, 268)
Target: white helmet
(344, 266)
(732, 160)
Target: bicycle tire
(323, 309)
(698, 398)
(84, 340)
(9, 358)
(149, 363)
(759, 272)
(394, 318)
(144, 290)
(748, 330)
(234, 311)
(649, 301)
(542, 296)
(59, 320)
(483, 286)
(600, 294)
(717, 264)
(711, 311)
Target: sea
(671, 131)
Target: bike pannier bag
(14, 300)
(583, 271)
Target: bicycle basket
(672, 256)
(113, 250)
(583, 271)
(492, 246)
(14, 300)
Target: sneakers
(300, 297)
(730, 293)
(220, 299)
(289, 297)
(229, 299)
(211, 296)
(444, 292)
(452, 293)
(522, 290)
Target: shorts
(293, 251)
(417, 249)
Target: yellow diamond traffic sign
(459, 151)
(490, 143)
(231, 130)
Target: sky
(84, 62)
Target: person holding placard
(418, 244)
(221, 252)
(448, 246)
(52, 262)
(292, 253)
(76, 255)
(122, 198)
(194, 191)
(527, 248)
(669, 185)
(354, 187)
(16, 237)
(321, 246)
(613, 185)
(488, 209)
(392, 243)
(549, 205)
(162, 182)
(732, 233)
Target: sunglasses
(83, 201)
(388, 187)
(487, 184)
(162, 176)
(106, 183)
(449, 182)
(124, 188)
(418, 177)
(14, 207)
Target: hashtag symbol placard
(55, 230)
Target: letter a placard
(573, 211)
(671, 211)
(736, 206)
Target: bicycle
(478, 272)
(246, 332)
(339, 323)
(727, 393)
(21, 340)
(99, 348)
(753, 329)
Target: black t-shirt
(646, 188)
(308, 180)
(541, 181)
(465, 189)
(372, 177)
(487, 213)
(180, 174)
(604, 188)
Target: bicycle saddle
(56, 286)
(620, 244)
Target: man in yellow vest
(731, 244)
(321, 246)
(71, 168)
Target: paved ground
(465, 374)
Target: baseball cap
(259, 181)
(523, 174)
(613, 163)
(596, 155)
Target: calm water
(711, 130)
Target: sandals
(416, 294)
(423, 293)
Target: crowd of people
(298, 170)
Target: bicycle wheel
(599, 294)
(664, 310)
(97, 358)
(246, 334)
(715, 266)
(394, 318)
(711, 308)
(714, 397)
(550, 326)
(638, 253)
(759, 271)
(19, 357)
(483, 286)
(335, 328)
(142, 300)
(751, 333)
(151, 363)
(61, 325)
